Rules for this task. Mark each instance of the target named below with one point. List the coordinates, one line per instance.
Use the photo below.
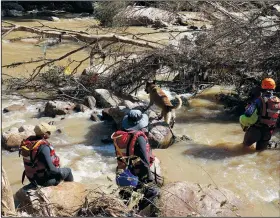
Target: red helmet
(268, 83)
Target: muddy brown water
(213, 156)
(34, 48)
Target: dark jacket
(44, 157)
(140, 151)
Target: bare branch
(82, 37)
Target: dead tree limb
(38, 69)
(25, 62)
(83, 37)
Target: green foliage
(105, 11)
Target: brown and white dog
(160, 99)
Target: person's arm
(140, 151)
(45, 157)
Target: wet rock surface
(54, 108)
(14, 107)
(61, 200)
(12, 138)
(188, 199)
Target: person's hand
(244, 128)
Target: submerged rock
(81, 108)
(94, 117)
(14, 107)
(187, 199)
(25, 128)
(53, 18)
(65, 199)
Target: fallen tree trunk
(78, 36)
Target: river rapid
(213, 156)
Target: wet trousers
(258, 134)
(65, 175)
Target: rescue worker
(41, 164)
(134, 157)
(260, 118)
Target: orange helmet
(268, 83)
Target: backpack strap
(23, 177)
(38, 144)
(129, 142)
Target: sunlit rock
(90, 102)
(142, 16)
(65, 199)
(12, 138)
(187, 199)
(160, 135)
(105, 99)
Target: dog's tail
(178, 106)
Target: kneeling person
(134, 155)
(41, 164)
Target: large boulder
(160, 135)
(142, 16)
(187, 199)
(13, 141)
(12, 138)
(90, 102)
(105, 99)
(65, 199)
(54, 108)
(7, 201)
(14, 107)
(118, 113)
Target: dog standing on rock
(160, 99)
